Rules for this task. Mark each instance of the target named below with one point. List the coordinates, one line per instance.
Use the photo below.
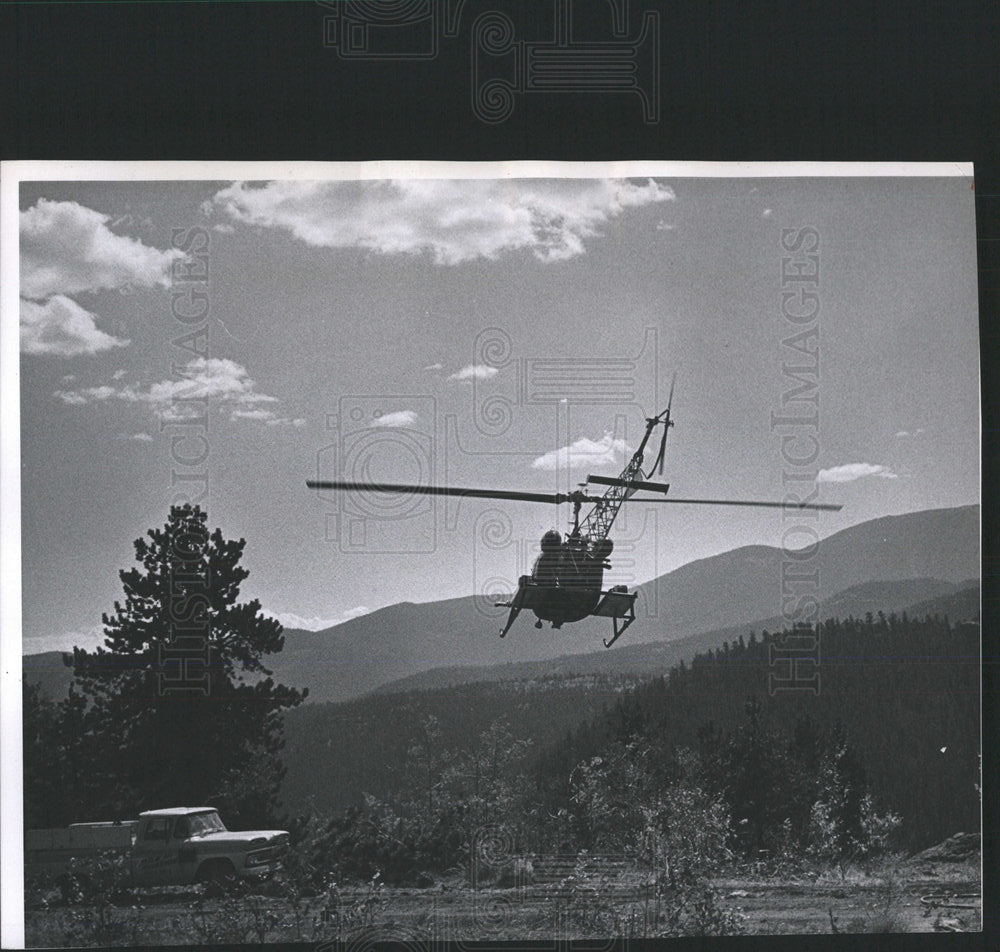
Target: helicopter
(566, 580)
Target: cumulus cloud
(452, 221)
(434, 367)
(181, 398)
(141, 437)
(475, 371)
(583, 452)
(67, 248)
(60, 327)
(849, 472)
(399, 418)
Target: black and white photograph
(537, 551)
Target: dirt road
(921, 900)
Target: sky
(494, 333)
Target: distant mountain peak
(729, 591)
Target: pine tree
(181, 705)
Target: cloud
(849, 472)
(268, 417)
(452, 221)
(583, 452)
(662, 225)
(67, 248)
(316, 623)
(223, 229)
(476, 371)
(182, 398)
(766, 213)
(138, 437)
(399, 418)
(62, 328)
(434, 367)
(903, 434)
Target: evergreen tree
(182, 709)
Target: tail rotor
(667, 423)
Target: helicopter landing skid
(515, 605)
(511, 618)
(619, 605)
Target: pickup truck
(172, 847)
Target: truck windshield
(197, 824)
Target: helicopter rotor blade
(663, 487)
(440, 491)
(829, 507)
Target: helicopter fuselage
(565, 585)
(566, 580)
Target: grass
(882, 899)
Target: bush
(102, 880)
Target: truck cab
(172, 847)
(191, 844)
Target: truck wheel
(219, 875)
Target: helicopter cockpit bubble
(551, 541)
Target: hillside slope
(727, 591)
(917, 597)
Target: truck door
(184, 852)
(154, 856)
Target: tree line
(699, 767)
(178, 706)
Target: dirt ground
(918, 897)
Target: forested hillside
(902, 696)
(336, 753)
(885, 754)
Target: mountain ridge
(651, 658)
(730, 590)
